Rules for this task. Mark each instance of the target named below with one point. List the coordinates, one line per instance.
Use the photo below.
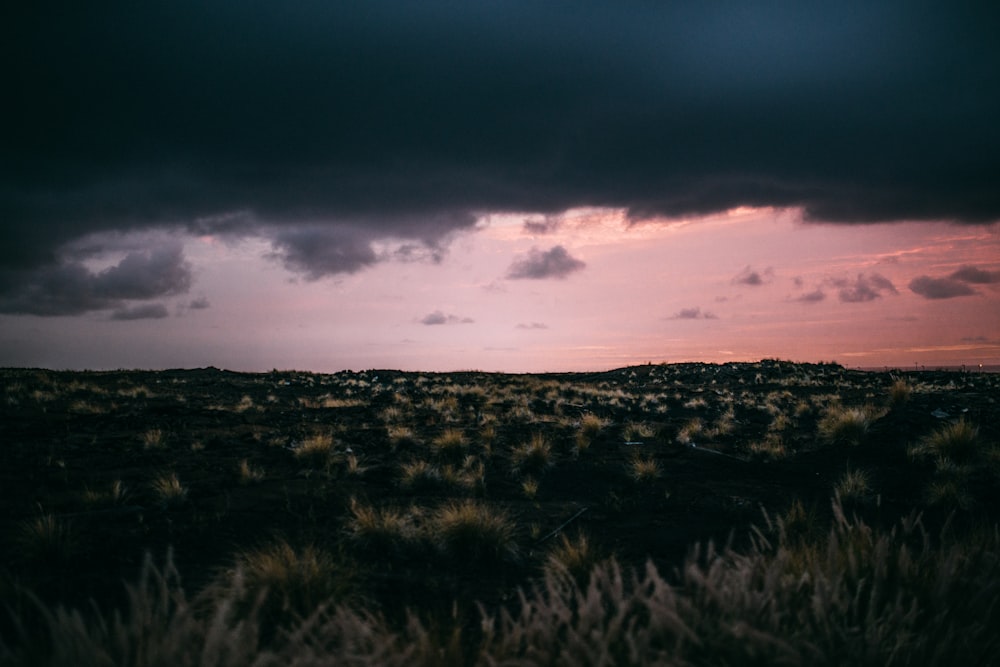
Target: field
(668, 514)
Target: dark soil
(67, 437)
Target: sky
(505, 186)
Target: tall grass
(855, 596)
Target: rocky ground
(98, 469)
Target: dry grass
(534, 456)
(316, 450)
(468, 532)
(168, 489)
(575, 558)
(379, 532)
(450, 444)
(247, 474)
(644, 469)
(854, 486)
(958, 442)
(845, 426)
(899, 393)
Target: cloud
(754, 278)
(201, 303)
(438, 317)
(145, 311)
(532, 325)
(67, 287)
(940, 288)
(971, 274)
(865, 287)
(693, 314)
(815, 296)
(549, 225)
(367, 120)
(539, 264)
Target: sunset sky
(504, 186)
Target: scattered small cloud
(549, 225)
(145, 311)
(532, 325)
(815, 296)
(749, 276)
(865, 287)
(971, 274)
(693, 314)
(940, 288)
(541, 264)
(201, 303)
(438, 317)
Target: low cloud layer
(145, 311)
(555, 262)
(329, 127)
(70, 288)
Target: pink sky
(738, 286)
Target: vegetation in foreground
(481, 519)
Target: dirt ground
(81, 453)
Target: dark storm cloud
(693, 314)
(201, 303)
(539, 264)
(865, 287)
(145, 311)
(277, 119)
(940, 288)
(542, 227)
(70, 288)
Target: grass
(855, 595)
(316, 450)
(470, 532)
(899, 393)
(644, 469)
(771, 448)
(247, 474)
(575, 558)
(845, 426)
(379, 532)
(958, 442)
(46, 540)
(450, 444)
(168, 489)
(534, 456)
(854, 486)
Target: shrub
(690, 431)
(469, 532)
(636, 431)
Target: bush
(958, 442)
